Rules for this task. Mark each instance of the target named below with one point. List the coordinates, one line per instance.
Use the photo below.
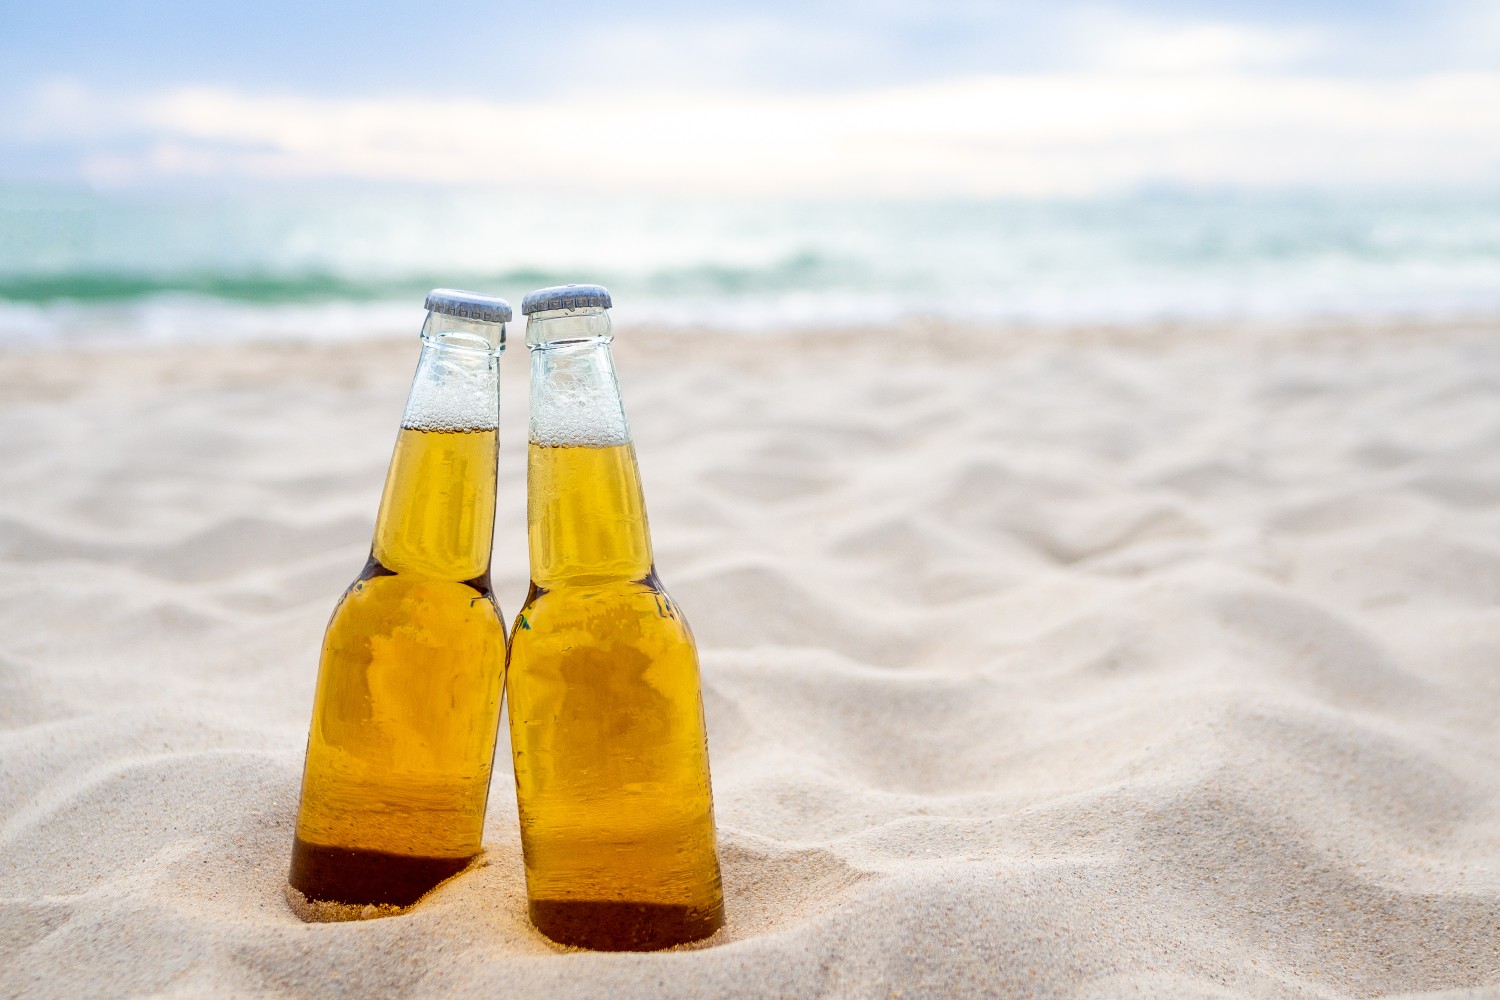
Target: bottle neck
(586, 514)
(437, 514)
(575, 398)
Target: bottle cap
(566, 297)
(468, 305)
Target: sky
(818, 98)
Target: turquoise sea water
(342, 261)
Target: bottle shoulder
(390, 598)
(585, 587)
(604, 607)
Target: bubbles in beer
(453, 395)
(574, 398)
(579, 419)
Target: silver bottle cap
(468, 305)
(566, 297)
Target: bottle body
(604, 696)
(404, 720)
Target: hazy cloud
(1110, 41)
(992, 135)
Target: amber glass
(404, 718)
(606, 716)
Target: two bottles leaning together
(600, 674)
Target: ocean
(344, 261)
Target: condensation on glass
(605, 707)
(409, 683)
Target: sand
(1094, 663)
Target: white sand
(1153, 663)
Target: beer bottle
(606, 715)
(409, 683)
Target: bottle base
(614, 926)
(358, 877)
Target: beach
(1096, 661)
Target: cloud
(990, 135)
(1111, 42)
(721, 52)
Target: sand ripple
(1115, 665)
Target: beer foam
(582, 417)
(452, 418)
(453, 392)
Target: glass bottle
(408, 698)
(606, 713)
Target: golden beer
(606, 716)
(409, 683)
